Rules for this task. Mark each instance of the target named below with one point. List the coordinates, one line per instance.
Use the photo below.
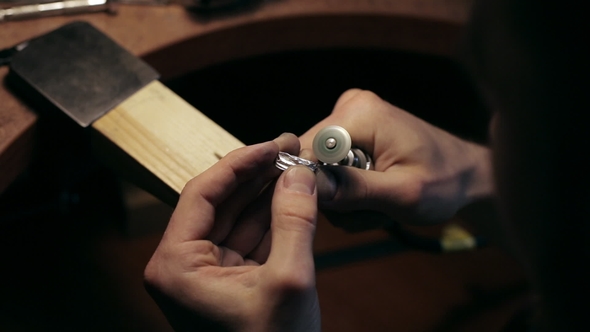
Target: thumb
(343, 194)
(342, 188)
(294, 216)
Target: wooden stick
(165, 136)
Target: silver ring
(285, 160)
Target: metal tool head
(331, 144)
(81, 71)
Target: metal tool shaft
(54, 8)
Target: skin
(229, 262)
(219, 266)
(423, 174)
(225, 264)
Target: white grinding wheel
(331, 144)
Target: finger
(228, 257)
(254, 222)
(360, 133)
(245, 216)
(194, 214)
(335, 118)
(260, 253)
(253, 226)
(394, 192)
(294, 216)
(346, 97)
(307, 154)
(288, 142)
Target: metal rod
(55, 8)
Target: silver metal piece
(285, 160)
(146, 2)
(54, 8)
(322, 146)
(331, 143)
(7, 53)
(357, 158)
(21, 46)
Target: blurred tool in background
(26, 9)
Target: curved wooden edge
(17, 126)
(308, 32)
(171, 32)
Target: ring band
(285, 160)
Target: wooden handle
(167, 140)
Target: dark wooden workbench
(100, 270)
(163, 33)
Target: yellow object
(456, 238)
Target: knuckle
(193, 255)
(357, 103)
(206, 253)
(195, 184)
(365, 96)
(191, 185)
(152, 277)
(411, 196)
(419, 206)
(415, 193)
(352, 189)
(296, 222)
(346, 95)
(297, 216)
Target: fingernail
(300, 179)
(283, 136)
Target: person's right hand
(422, 174)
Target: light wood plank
(166, 135)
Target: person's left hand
(220, 267)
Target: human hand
(220, 267)
(422, 174)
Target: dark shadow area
(207, 10)
(259, 98)
(67, 263)
(484, 300)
